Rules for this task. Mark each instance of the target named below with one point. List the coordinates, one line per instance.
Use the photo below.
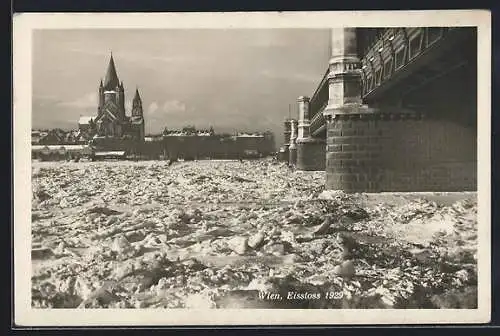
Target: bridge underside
(443, 84)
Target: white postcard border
(23, 26)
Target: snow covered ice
(206, 234)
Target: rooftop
(245, 135)
(85, 120)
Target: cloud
(152, 108)
(86, 101)
(144, 59)
(171, 113)
(223, 89)
(128, 105)
(295, 76)
(174, 107)
(89, 51)
(45, 100)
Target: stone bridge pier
(310, 150)
(399, 111)
(420, 135)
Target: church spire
(111, 80)
(137, 97)
(137, 104)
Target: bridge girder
(433, 61)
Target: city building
(112, 120)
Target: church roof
(111, 80)
(108, 114)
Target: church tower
(111, 83)
(137, 105)
(111, 119)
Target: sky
(231, 79)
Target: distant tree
(52, 138)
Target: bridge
(396, 110)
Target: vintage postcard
(292, 168)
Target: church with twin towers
(111, 120)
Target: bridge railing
(318, 120)
(393, 51)
(384, 56)
(318, 102)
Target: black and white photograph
(302, 166)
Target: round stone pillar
(344, 78)
(284, 155)
(346, 167)
(304, 123)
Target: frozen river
(218, 233)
